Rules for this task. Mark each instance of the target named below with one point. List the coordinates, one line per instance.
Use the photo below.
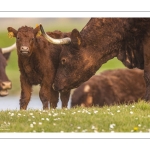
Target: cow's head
(25, 38)
(5, 83)
(74, 64)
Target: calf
(37, 61)
(5, 83)
(121, 86)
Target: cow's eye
(18, 38)
(63, 60)
(32, 38)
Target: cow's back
(121, 86)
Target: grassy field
(131, 118)
(123, 118)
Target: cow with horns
(38, 61)
(5, 83)
(102, 39)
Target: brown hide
(120, 86)
(99, 41)
(5, 83)
(38, 61)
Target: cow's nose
(24, 48)
(6, 85)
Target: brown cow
(119, 86)
(38, 61)
(100, 40)
(5, 83)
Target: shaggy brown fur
(38, 61)
(100, 40)
(5, 83)
(120, 86)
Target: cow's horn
(8, 49)
(52, 40)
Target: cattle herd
(60, 62)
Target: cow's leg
(44, 96)
(146, 47)
(26, 90)
(64, 96)
(54, 97)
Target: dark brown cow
(111, 87)
(100, 40)
(5, 83)
(38, 61)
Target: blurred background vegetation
(50, 24)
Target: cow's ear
(37, 31)
(11, 32)
(75, 38)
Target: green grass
(122, 118)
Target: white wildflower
(84, 130)
(40, 123)
(12, 114)
(118, 110)
(47, 119)
(95, 131)
(131, 112)
(34, 122)
(93, 127)
(73, 113)
(111, 113)
(49, 114)
(55, 114)
(95, 111)
(112, 126)
(31, 125)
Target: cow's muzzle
(24, 50)
(4, 86)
